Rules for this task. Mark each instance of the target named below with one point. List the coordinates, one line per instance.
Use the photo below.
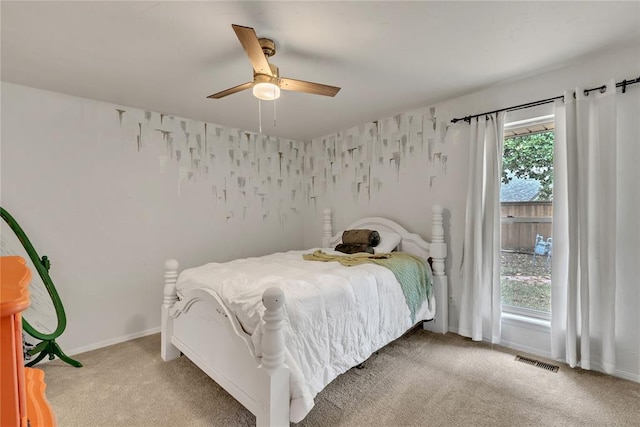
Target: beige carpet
(422, 379)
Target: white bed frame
(203, 329)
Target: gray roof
(519, 190)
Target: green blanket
(411, 272)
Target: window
(526, 194)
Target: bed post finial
(438, 249)
(275, 406)
(273, 339)
(327, 233)
(170, 278)
(167, 350)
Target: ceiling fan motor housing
(268, 47)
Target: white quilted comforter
(335, 316)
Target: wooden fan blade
(308, 87)
(251, 45)
(231, 91)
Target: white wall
(108, 208)
(424, 178)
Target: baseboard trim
(627, 375)
(112, 341)
(596, 366)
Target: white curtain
(584, 230)
(480, 306)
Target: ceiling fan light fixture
(266, 91)
(267, 82)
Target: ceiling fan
(267, 82)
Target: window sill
(540, 325)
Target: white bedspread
(335, 316)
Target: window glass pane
(526, 195)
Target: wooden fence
(521, 221)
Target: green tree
(530, 157)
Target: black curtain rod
(623, 84)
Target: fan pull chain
(275, 120)
(260, 114)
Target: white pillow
(388, 242)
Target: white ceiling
(388, 57)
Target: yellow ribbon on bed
(346, 260)
(412, 272)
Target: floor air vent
(537, 363)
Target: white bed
(231, 319)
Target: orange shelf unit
(18, 393)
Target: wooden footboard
(199, 325)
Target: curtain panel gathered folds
(480, 307)
(583, 313)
